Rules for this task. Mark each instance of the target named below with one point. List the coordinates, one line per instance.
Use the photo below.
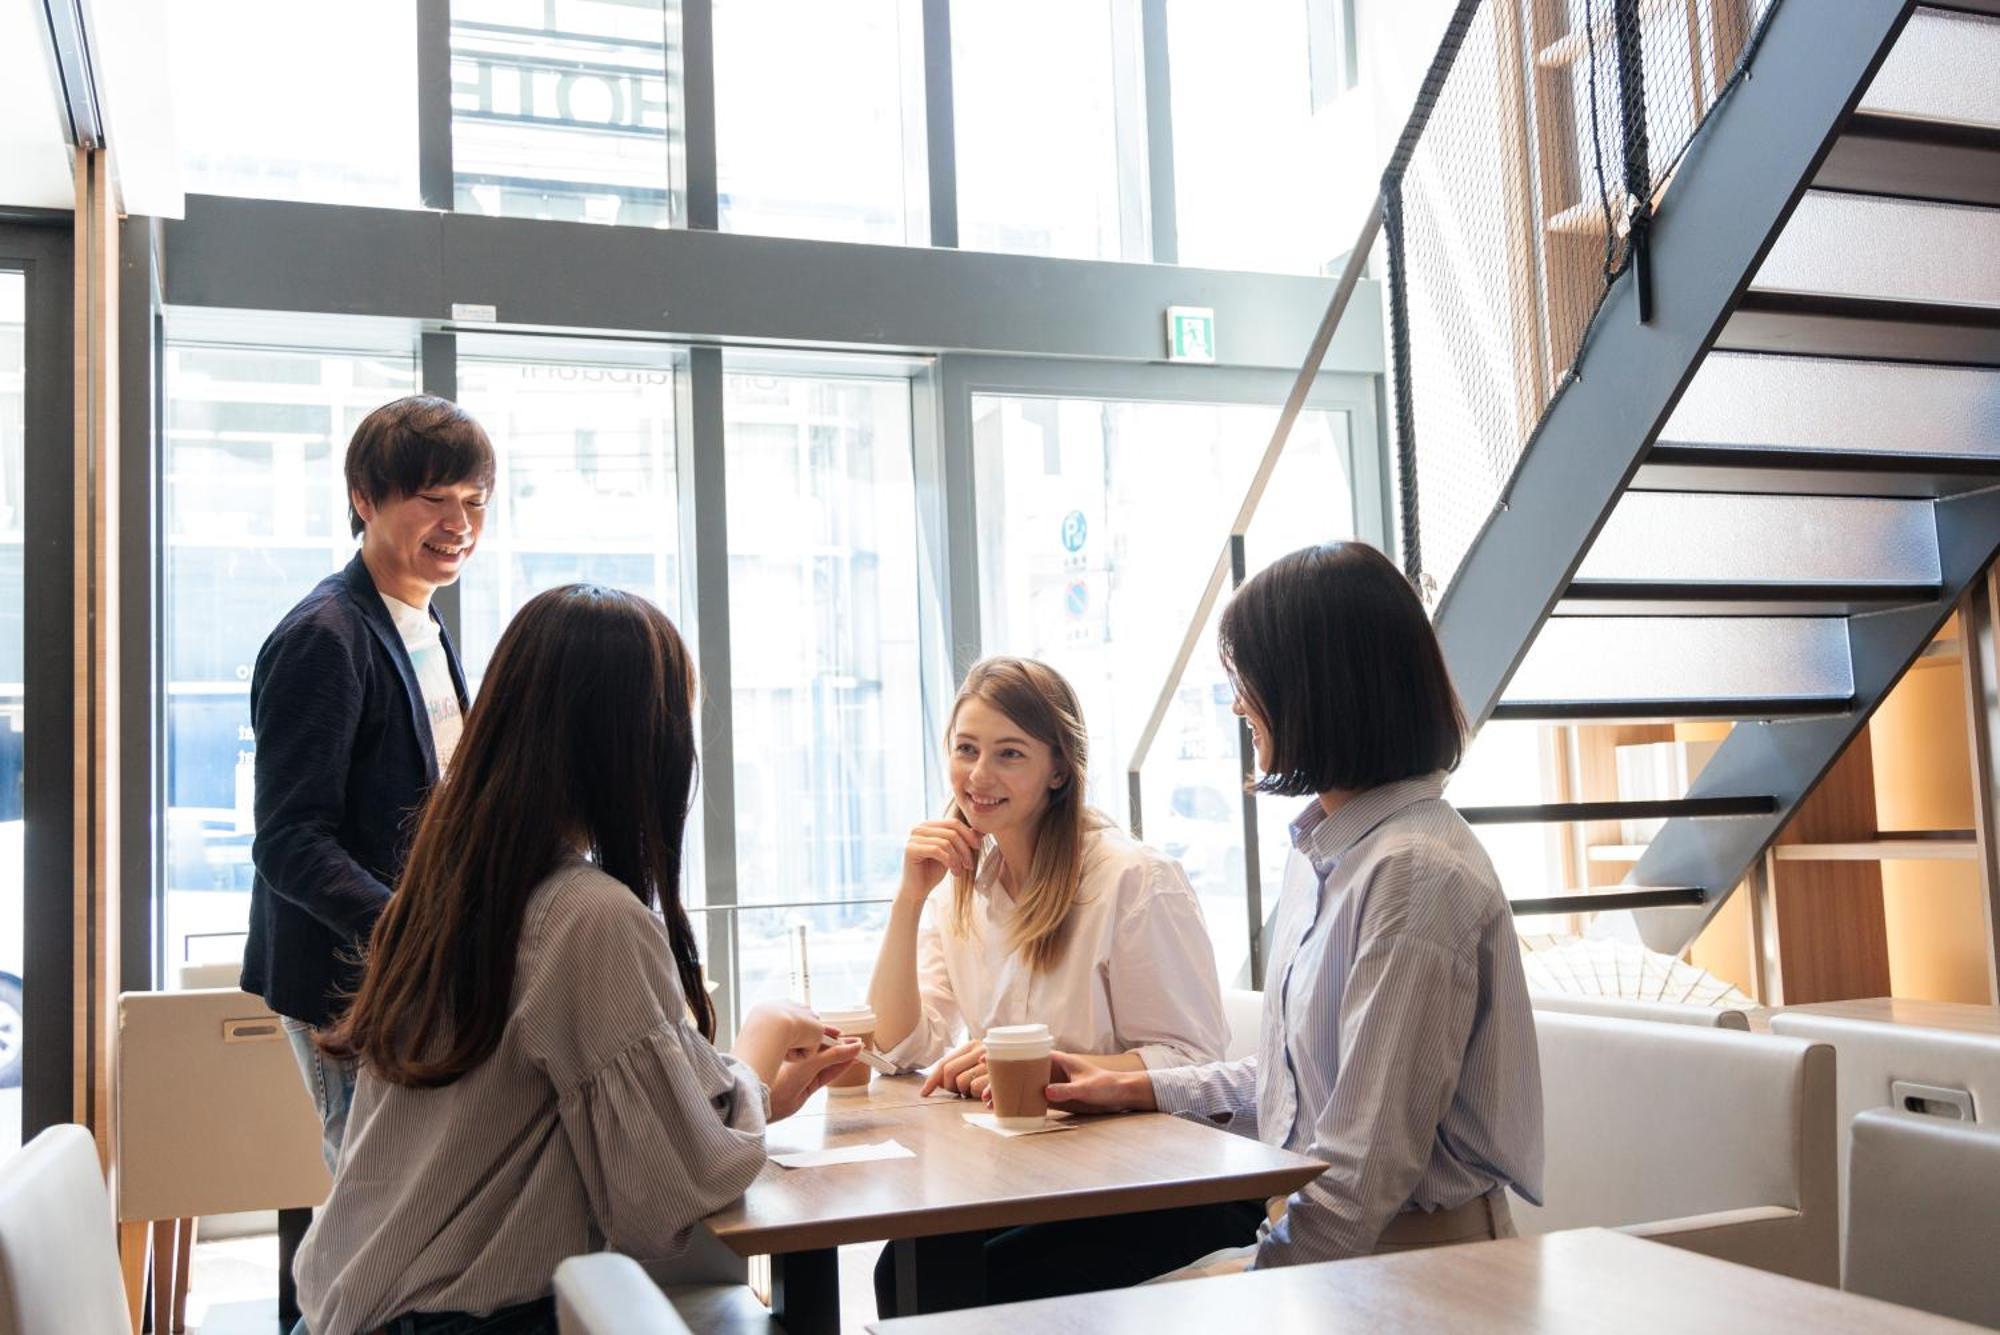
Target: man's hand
(1078, 1085)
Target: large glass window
(828, 707)
(585, 485)
(1257, 174)
(1099, 523)
(13, 868)
(295, 101)
(1050, 119)
(564, 109)
(819, 120)
(256, 514)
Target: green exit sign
(1190, 334)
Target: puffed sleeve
(1166, 1004)
(664, 1128)
(941, 1020)
(668, 1131)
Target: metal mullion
(940, 124)
(703, 502)
(435, 172)
(48, 663)
(697, 47)
(1980, 656)
(1160, 131)
(437, 373)
(959, 479)
(141, 706)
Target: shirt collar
(1324, 838)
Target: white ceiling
(34, 159)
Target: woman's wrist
(1139, 1095)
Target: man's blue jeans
(330, 1081)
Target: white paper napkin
(1056, 1121)
(882, 1149)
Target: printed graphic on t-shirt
(433, 670)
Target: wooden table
(1904, 1011)
(937, 1207)
(1589, 1280)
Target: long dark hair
(1333, 647)
(582, 739)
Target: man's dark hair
(1334, 650)
(404, 447)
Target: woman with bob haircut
(536, 1072)
(1052, 915)
(1397, 1043)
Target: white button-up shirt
(1397, 1042)
(1137, 972)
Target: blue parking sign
(1075, 528)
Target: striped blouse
(603, 1119)
(1397, 1040)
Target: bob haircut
(413, 443)
(1334, 651)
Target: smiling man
(357, 703)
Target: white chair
(1631, 1008)
(58, 1251)
(1926, 1214)
(1931, 1057)
(212, 1119)
(1711, 1140)
(1244, 1010)
(609, 1294)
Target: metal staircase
(1762, 501)
(1695, 337)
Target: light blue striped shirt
(1397, 1040)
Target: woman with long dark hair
(1397, 1041)
(537, 1076)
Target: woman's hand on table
(1080, 1085)
(962, 1073)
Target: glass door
(34, 780)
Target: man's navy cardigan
(344, 759)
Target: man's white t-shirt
(426, 648)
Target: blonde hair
(1036, 699)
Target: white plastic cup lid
(1018, 1041)
(850, 1019)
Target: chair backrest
(1630, 1008)
(213, 1116)
(1645, 1122)
(1882, 1058)
(58, 1249)
(1245, 1012)
(609, 1294)
(1925, 1219)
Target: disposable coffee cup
(853, 1022)
(1017, 1070)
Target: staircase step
(1870, 248)
(1941, 68)
(1615, 897)
(1811, 325)
(1626, 662)
(1670, 711)
(1557, 813)
(1676, 541)
(1789, 472)
(1710, 599)
(1887, 408)
(1915, 159)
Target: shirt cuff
(1176, 1089)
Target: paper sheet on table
(881, 1149)
(1057, 1121)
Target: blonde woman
(1025, 905)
